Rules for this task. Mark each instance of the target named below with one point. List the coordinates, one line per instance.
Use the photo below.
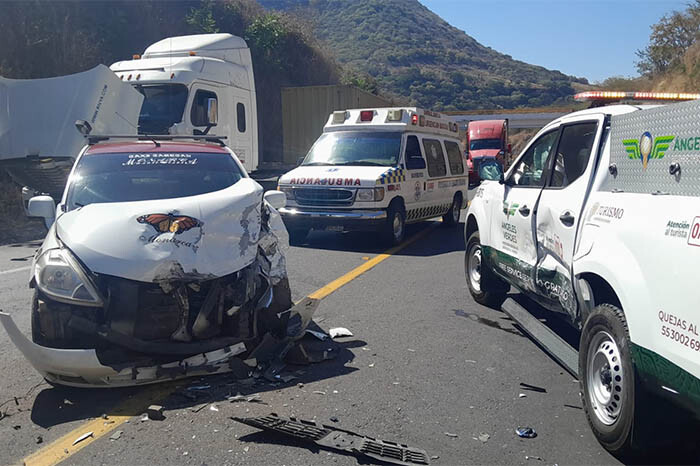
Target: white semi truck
(198, 84)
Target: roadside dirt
(16, 227)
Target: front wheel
(610, 390)
(395, 228)
(484, 286)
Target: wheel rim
(605, 378)
(474, 267)
(397, 226)
(455, 210)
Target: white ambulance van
(598, 219)
(377, 170)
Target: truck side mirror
(42, 206)
(415, 163)
(212, 112)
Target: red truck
(486, 140)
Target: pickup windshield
(127, 177)
(371, 148)
(479, 144)
(163, 106)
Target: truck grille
(324, 196)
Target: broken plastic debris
(526, 432)
(339, 332)
(411, 350)
(39, 439)
(333, 419)
(249, 399)
(117, 435)
(484, 437)
(252, 362)
(319, 392)
(199, 387)
(213, 408)
(371, 365)
(82, 437)
(339, 439)
(522, 395)
(450, 434)
(320, 335)
(155, 413)
(534, 388)
(527, 457)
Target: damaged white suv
(165, 260)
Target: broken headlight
(59, 275)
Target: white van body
(361, 194)
(199, 67)
(614, 221)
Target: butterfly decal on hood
(164, 223)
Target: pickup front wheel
(484, 286)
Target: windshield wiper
(315, 164)
(362, 162)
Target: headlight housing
(59, 275)
(370, 194)
(288, 190)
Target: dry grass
(15, 226)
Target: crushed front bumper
(304, 218)
(82, 368)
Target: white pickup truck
(599, 219)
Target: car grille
(324, 196)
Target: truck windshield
(372, 148)
(163, 106)
(127, 177)
(480, 144)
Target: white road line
(20, 269)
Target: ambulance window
(413, 148)
(454, 156)
(435, 158)
(240, 117)
(199, 107)
(573, 153)
(533, 166)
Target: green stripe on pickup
(667, 373)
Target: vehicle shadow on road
(58, 404)
(442, 240)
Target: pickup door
(543, 198)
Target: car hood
(197, 237)
(351, 176)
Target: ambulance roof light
(394, 115)
(414, 119)
(619, 95)
(339, 117)
(366, 115)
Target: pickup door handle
(567, 219)
(524, 211)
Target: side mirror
(415, 163)
(212, 112)
(276, 199)
(42, 206)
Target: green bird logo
(509, 210)
(645, 150)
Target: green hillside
(412, 53)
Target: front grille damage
(147, 324)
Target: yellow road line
(62, 448)
(356, 272)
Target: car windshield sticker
(160, 159)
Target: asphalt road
(427, 367)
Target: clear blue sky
(594, 39)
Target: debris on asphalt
(155, 413)
(534, 388)
(17, 427)
(252, 362)
(471, 361)
(573, 406)
(245, 398)
(527, 457)
(318, 392)
(484, 437)
(411, 350)
(371, 365)
(213, 408)
(334, 419)
(117, 435)
(320, 335)
(199, 387)
(83, 437)
(339, 332)
(526, 432)
(522, 395)
(65, 401)
(104, 416)
(144, 417)
(288, 378)
(434, 457)
(339, 439)
(39, 439)
(449, 434)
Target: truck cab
(595, 221)
(487, 140)
(377, 170)
(196, 84)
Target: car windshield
(126, 177)
(479, 144)
(373, 148)
(163, 106)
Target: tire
(297, 236)
(395, 228)
(451, 218)
(484, 286)
(611, 392)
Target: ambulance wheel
(395, 228)
(297, 236)
(610, 391)
(484, 286)
(452, 216)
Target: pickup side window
(454, 156)
(435, 158)
(199, 107)
(533, 167)
(573, 153)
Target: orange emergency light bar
(619, 95)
